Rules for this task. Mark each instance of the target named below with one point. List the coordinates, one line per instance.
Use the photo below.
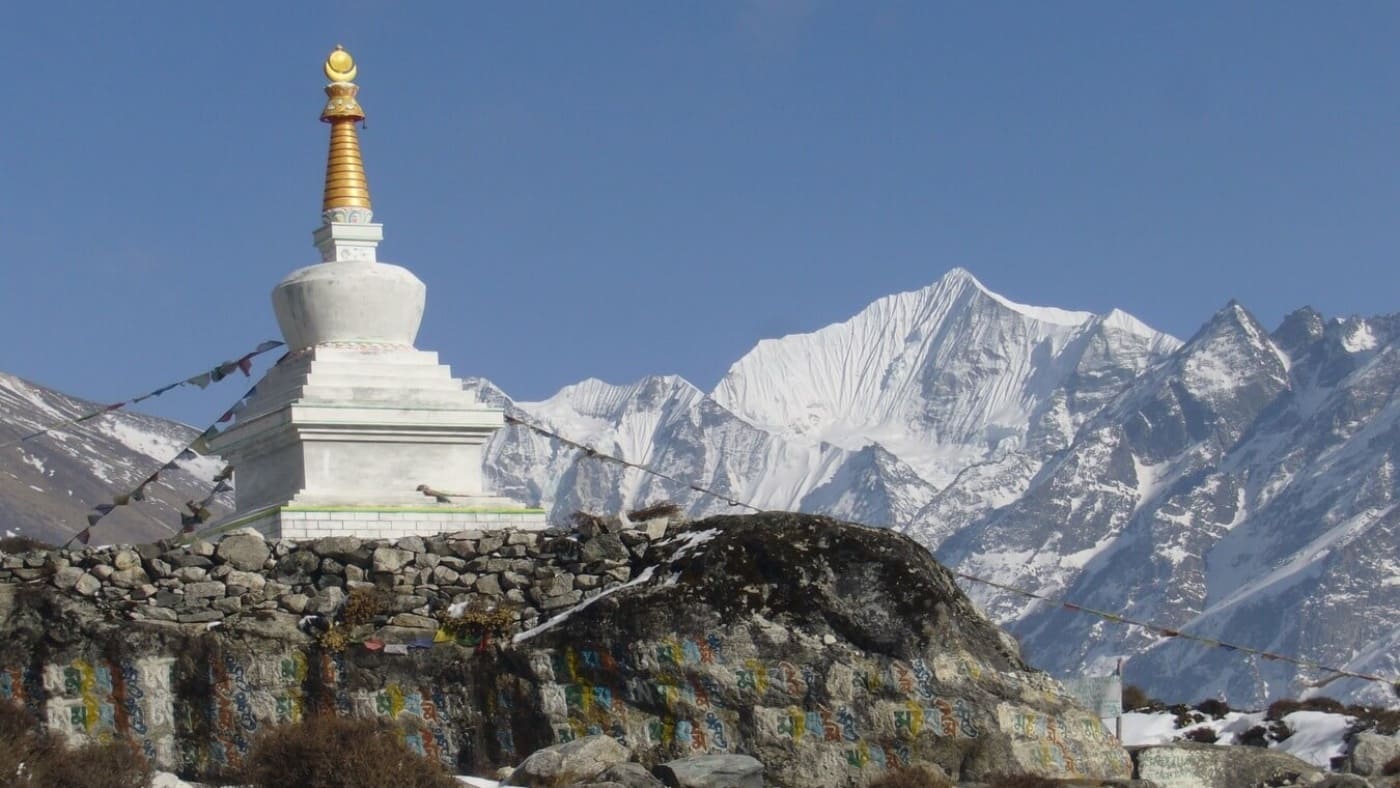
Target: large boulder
(567, 764)
(830, 652)
(712, 771)
(1191, 765)
(1370, 752)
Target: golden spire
(346, 186)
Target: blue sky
(614, 189)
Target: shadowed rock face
(828, 651)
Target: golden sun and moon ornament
(346, 185)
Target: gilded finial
(346, 185)
(340, 66)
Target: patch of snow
(564, 616)
(1317, 736)
(1360, 339)
(692, 539)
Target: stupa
(356, 432)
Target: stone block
(389, 559)
(209, 589)
(573, 762)
(712, 771)
(246, 552)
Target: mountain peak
(960, 278)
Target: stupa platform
(305, 522)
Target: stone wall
(829, 651)
(533, 572)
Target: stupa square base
(381, 522)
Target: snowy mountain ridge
(1240, 485)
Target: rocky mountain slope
(1239, 485)
(49, 484)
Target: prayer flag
(186, 455)
(201, 380)
(245, 364)
(92, 520)
(395, 648)
(374, 645)
(85, 535)
(268, 345)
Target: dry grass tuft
(337, 752)
(30, 758)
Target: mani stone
(247, 552)
(712, 771)
(1192, 765)
(572, 762)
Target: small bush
(912, 777)
(1213, 708)
(1135, 697)
(662, 509)
(1258, 736)
(30, 758)
(21, 544)
(1329, 705)
(1391, 766)
(1282, 708)
(362, 605)
(337, 752)
(1021, 781)
(1202, 735)
(480, 622)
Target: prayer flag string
(1111, 617)
(198, 511)
(242, 364)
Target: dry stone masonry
(827, 651)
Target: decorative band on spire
(346, 185)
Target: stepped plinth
(356, 431)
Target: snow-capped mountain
(49, 484)
(1239, 485)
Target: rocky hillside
(49, 484)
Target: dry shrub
(1021, 781)
(1282, 708)
(30, 758)
(338, 752)
(480, 620)
(1391, 766)
(912, 777)
(1213, 707)
(662, 509)
(362, 605)
(1202, 735)
(21, 544)
(1135, 697)
(1329, 705)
